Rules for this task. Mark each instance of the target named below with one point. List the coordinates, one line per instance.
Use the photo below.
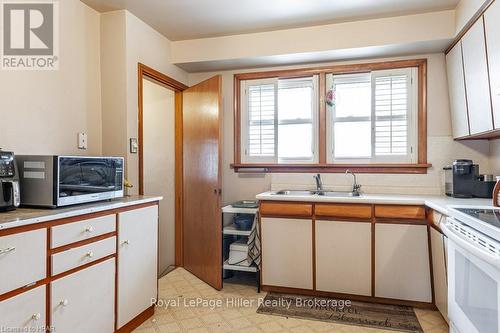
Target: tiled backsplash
(431, 183)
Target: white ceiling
(189, 19)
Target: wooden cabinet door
(492, 28)
(476, 79)
(85, 301)
(25, 311)
(137, 262)
(402, 269)
(287, 253)
(439, 272)
(456, 88)
(343, 257)
(202, 220)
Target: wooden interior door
(202, 222)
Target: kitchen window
(372, 117)
(279, 120)
(365, 117)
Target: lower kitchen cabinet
(24, 312)
(287, 259)
(85, 301)
(137, 262)
(402, 269)
(439, 272)
(343, 257)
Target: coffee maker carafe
(9, 182)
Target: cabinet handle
(89, 254)
(89, 229)
(36, 316)
(126, 242)
(7, 250)
(64, 302)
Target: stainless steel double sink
(333, 194)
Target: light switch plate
(134, 146)
(82, 140)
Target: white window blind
(391, 111)
(279, 120)
(261, 116)
(373, 117)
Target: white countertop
(438, 203)
(25, 216)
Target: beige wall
(127, 41)
(441, 148)
(147, 46)
(41, 112)
(159, 162)
(495, 156)
(113, 82)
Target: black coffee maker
(460, 178)
(9, 182)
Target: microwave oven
(57, 181)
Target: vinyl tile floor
(187, 304)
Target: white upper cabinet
(476, 79)
(456, 83)
(492, 28)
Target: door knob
(64, 302)
(89, 254)
(89, 229)
(36, 316)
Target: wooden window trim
(397, 168)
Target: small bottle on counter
(496, 193)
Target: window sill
(332, 168)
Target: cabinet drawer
(22, 259)
(285, 209)
(84, 301)
(78, 231)
(24, 312)
(400, 212)
(344, 211)
(78, 256)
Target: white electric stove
(473, 256)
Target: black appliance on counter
(462, 180)
(10, 196)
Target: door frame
(145, 71)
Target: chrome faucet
(355, 186)
(319, 183)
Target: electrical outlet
(82, 140)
